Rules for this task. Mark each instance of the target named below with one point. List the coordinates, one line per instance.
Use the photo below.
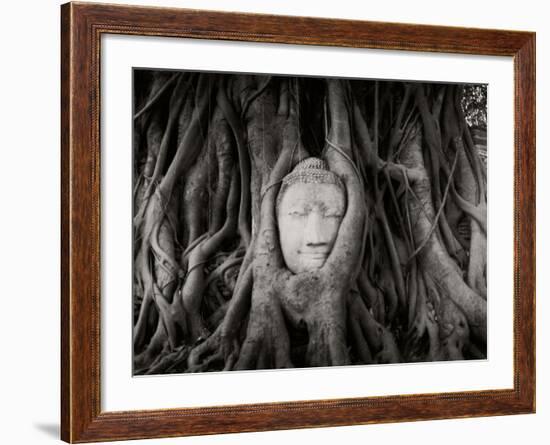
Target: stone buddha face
(310, 208)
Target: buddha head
(310, 206)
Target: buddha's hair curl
(311, 170)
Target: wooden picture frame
(82, 25)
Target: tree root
(371, 335)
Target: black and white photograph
(294, 222)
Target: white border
(122, 392)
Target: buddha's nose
(314, 230)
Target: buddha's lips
(314, 255)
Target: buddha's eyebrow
(303, 204)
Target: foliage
(474, 104)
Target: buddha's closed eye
(326, 214)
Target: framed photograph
(274, 222)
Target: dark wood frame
(81, 28)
